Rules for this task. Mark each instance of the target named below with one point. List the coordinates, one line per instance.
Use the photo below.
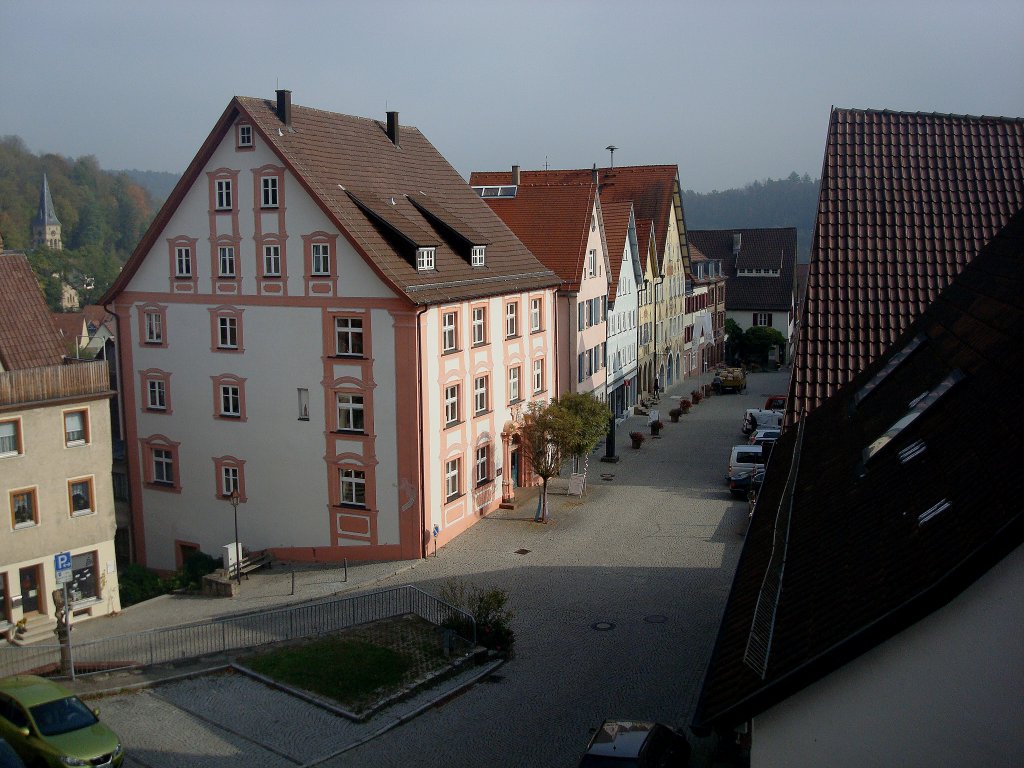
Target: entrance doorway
(515, 468)
(29, 578)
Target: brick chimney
(393, 128)
(284, 106)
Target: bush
(137, 583)
(195, 566)
(489, 610)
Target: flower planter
(637, 438)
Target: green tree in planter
(759, 340)
(592, 418)
(547, 439)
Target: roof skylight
(916, 407)
(892, 365)
(491, 191)
(932, 511)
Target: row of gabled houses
(328, 326)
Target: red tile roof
(906, 201)
(332, 154)
(869, 545)
(651, 189)
(764, 248)
(71, 326)
(28, 336)
(553, 221)
(616, 230)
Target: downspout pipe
(421, 493)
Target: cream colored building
(55, 460)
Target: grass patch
(358, 667)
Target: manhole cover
(522, 551)
(602, 626)
(655, 618)
(607, 477)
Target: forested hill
(102, 214)
(789, 202)
(159, 184)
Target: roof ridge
(907, 113)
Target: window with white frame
(10, 438)
(156, 394)
(80, 496)
(514, 394)
(303, 394)
(154, 327)
(321, 258)
(480, 398)
(76, 428)
(223, 199)
(183, 261)
(580, 319)
(538, 375)
(535, 314)
(351, 416)
(449, 338)
(477, 257)
(451, 405)
(483, 464)
(348, 333)
(592, 262)
(245, 135)
(452, 483)
(227, 332)
(229, 480)
(226, 261)
(230, 401)
(268, 188)
(353, 487)
(479, 325)
(271, 260)
(511, 319)
(424, 259)
(762, 318)
(163, 466)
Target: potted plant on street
(696, 396)
(637, 438)
(685, 405)
(675, 413)
(656, 427)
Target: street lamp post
(234, 499)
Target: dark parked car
(632, 744)
(742, 483)
(49, 726)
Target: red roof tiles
(906, 201)
(28, 336)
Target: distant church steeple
(46, 225)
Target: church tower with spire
(46, 225)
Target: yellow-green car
(49, 726)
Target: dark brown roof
(28, 336)
(651, 189)
(331, 155)
(553, 221)
(765, 248)
(71, 326)
(874, 544)
(906, 201)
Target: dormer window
(477, 255)
(424, 259)
(245, 135)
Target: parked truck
(733, 379)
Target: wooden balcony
(54, 382)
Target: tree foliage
(758, 341)
(789, 202)
(591, 420)
(103, 215)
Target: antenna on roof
(546, 164)
(611, 151)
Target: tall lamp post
(234, 499)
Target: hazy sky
(729, 91)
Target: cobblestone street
(617, 604)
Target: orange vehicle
(775, 403)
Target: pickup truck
(760, 418)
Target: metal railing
(233, 633)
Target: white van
(759, 418)
(745, 458)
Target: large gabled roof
(651, 188)
(871, 543)
(28, 335)
(906, 200)
(616, 217)
(553, 221)
(363, 182)
(760, 248)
